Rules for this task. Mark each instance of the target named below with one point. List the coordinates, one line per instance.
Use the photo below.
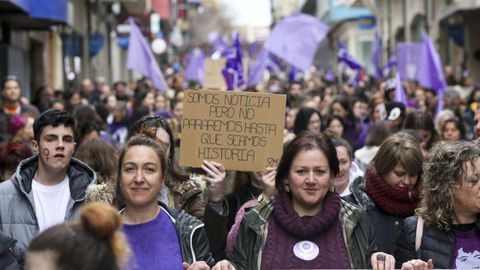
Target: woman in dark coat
(389, 191)
(445, 233)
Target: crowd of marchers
(90, 180)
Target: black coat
(386, 226)
(436, 244)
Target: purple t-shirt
(467, 249)
(154, 244)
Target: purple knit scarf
(287, 228)
(306, 226)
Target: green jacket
(357, 233)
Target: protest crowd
(373, 171)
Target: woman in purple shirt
(445, 233)
(160, 237)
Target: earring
(332, 188)
(286, 188)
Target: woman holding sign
(307, 225)
(248, 188)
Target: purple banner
(409, 59)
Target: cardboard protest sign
(241, 130)
(213, 77)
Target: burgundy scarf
(306, 226)
(286, 228)
(391, 200)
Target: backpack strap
(419, 233)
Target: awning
(14, 6)
(458, 6)
(34, 14)
(345, 13)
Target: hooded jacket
(18, 219)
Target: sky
(248, 12)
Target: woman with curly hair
(445, 232)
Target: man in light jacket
(47, 188)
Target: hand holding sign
(215, 176)
(268, 182)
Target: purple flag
(330, 76)
(399, 91)
(141, 59)
(431, 72)
(233, 70)
(392, 61)
(274, 64)
(256, 70)
(221, 48)
(354, 80)
(409, 57)
(344, 57)
(293, 74)
(377, 56)
(194, 68)
(295, 39)
(253, 49)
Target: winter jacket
(17, 207)
(187, 196)
(385, 226)
(251, 239)
(436, 244)
(10, 257)
(191, 235)
(218, 225)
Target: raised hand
(215, 176)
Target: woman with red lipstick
(307, 225)
(389, 191)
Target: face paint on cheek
(46, 152)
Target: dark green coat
(359, 238)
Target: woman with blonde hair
(445, 233)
